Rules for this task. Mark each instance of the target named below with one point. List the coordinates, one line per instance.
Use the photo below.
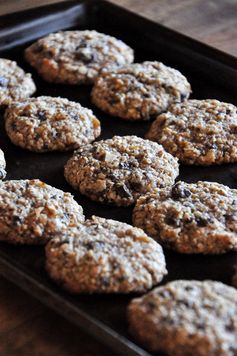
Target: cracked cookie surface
(105, 256)
(187, 318)
(120, 169)
(32, 212)
(140, 90)
(15, 84)
(77, 57)
(190, 218)
(201, 132)
(46, 123)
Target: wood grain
(211, 21)
(26, 326)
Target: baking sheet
(105, 316)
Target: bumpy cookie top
(140, 90)
(187, 318)
(105, 256)
(191, 218)
(47, 124)
(76, 57)
(2, 165)
(120, 169)
(15, 84)
(198, 131)
(32, 212)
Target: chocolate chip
(105, 281)
(123, 191)
(223, 151)
(74, 116)
(96, 244)
(84, 57)
(38, 49)
(65, 215)
(230, 326)
(136, 186)
(183, 97)
(164, 294)
(200, 326)
(113, 100)
(83, 44)
(228, 111)
(13, 126)
(233, 129)
(42, 116)
(172, 221)
(3, 82)
(121, 279)
(179, 192)
(202, 221)
(89, 245)
(112, 176)
(232, 216)
(183, 302)
(151, 306)
(17, 220)
(128, 164)
(212, 146)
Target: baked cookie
(47, 124)
(76, 57)
(201, 132)
(32, 212)
(15, 84)
(190, 218)
(2, 165)
(140, 90)
(187, 318)
(105, 256)
(120, 169)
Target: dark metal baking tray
(213, 74)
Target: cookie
(120, 169)
(201, 132)
(76, 57)
(139, 91)
(187, 318)
(2, 165)
(32, 212)
(48, 124)
(105, 256)
(190, 218)
(15, 84)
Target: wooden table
(26, 326)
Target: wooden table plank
(211, 21)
